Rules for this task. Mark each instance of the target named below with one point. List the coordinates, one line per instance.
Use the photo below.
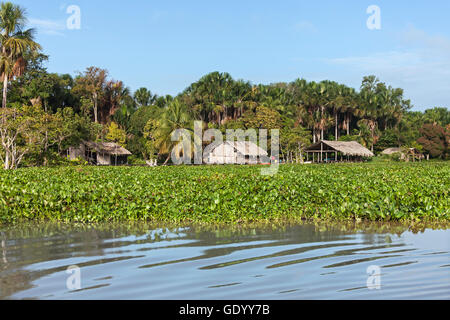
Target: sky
(167, 45)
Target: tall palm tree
(144, 97)
(349, 108)
(15, 42)
(174, 117)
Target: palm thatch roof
(107, 148)
(347, 148)
(391, 151)
(231, 148)
(247, 148)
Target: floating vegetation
(228, 194)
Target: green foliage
(385, 191)
(135, 161)
(174, 117)
(397, 156)
(140, 118)
(263, 118)
(388, 139)
(137, 146)
(440, 116)
(143, 97)
(116, 134)
(16, 43)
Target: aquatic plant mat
(228, 194)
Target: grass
(227, 194)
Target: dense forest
(44, 113)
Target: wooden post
(321, 151)
(335, 156)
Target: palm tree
(15, 42)
(349, 108)
(174, 117)
(144, 97)
(211, 96)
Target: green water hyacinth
(387, 191)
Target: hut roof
(248, 148)
(351, 148)
(400, 150)
(108, 148)
(391, 150)
(245, 148)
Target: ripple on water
(284, 262)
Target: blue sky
(166, 45)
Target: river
(281, 261)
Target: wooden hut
(236, 152)
(100, 153)
(335, 151)
(391, 151)
(405, 153)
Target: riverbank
(228, 194)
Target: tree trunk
(321, 129)
(348, 123)
(6, 160)
(95, 108)
(336, 127)
(5, 90)
(373, 135)
(300, 151)
(167, 160)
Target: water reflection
(271, 261)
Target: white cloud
(49, 27)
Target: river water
(283, 261)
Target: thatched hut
(334, 151)
(100, 153)
(405, 153)
(237, 152)
(391, 151)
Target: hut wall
(104, 159)
(223, 154)
(75, 153)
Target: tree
(15, 42)
(435, 140)
(116, 134)
(211, 97)
(115, 96)
(293, 140)
(176, 116)
(72, 128)
(440, 116)
(92, 84)
(139, 119)
(19, 134)
(144, 97)
(263, 117)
